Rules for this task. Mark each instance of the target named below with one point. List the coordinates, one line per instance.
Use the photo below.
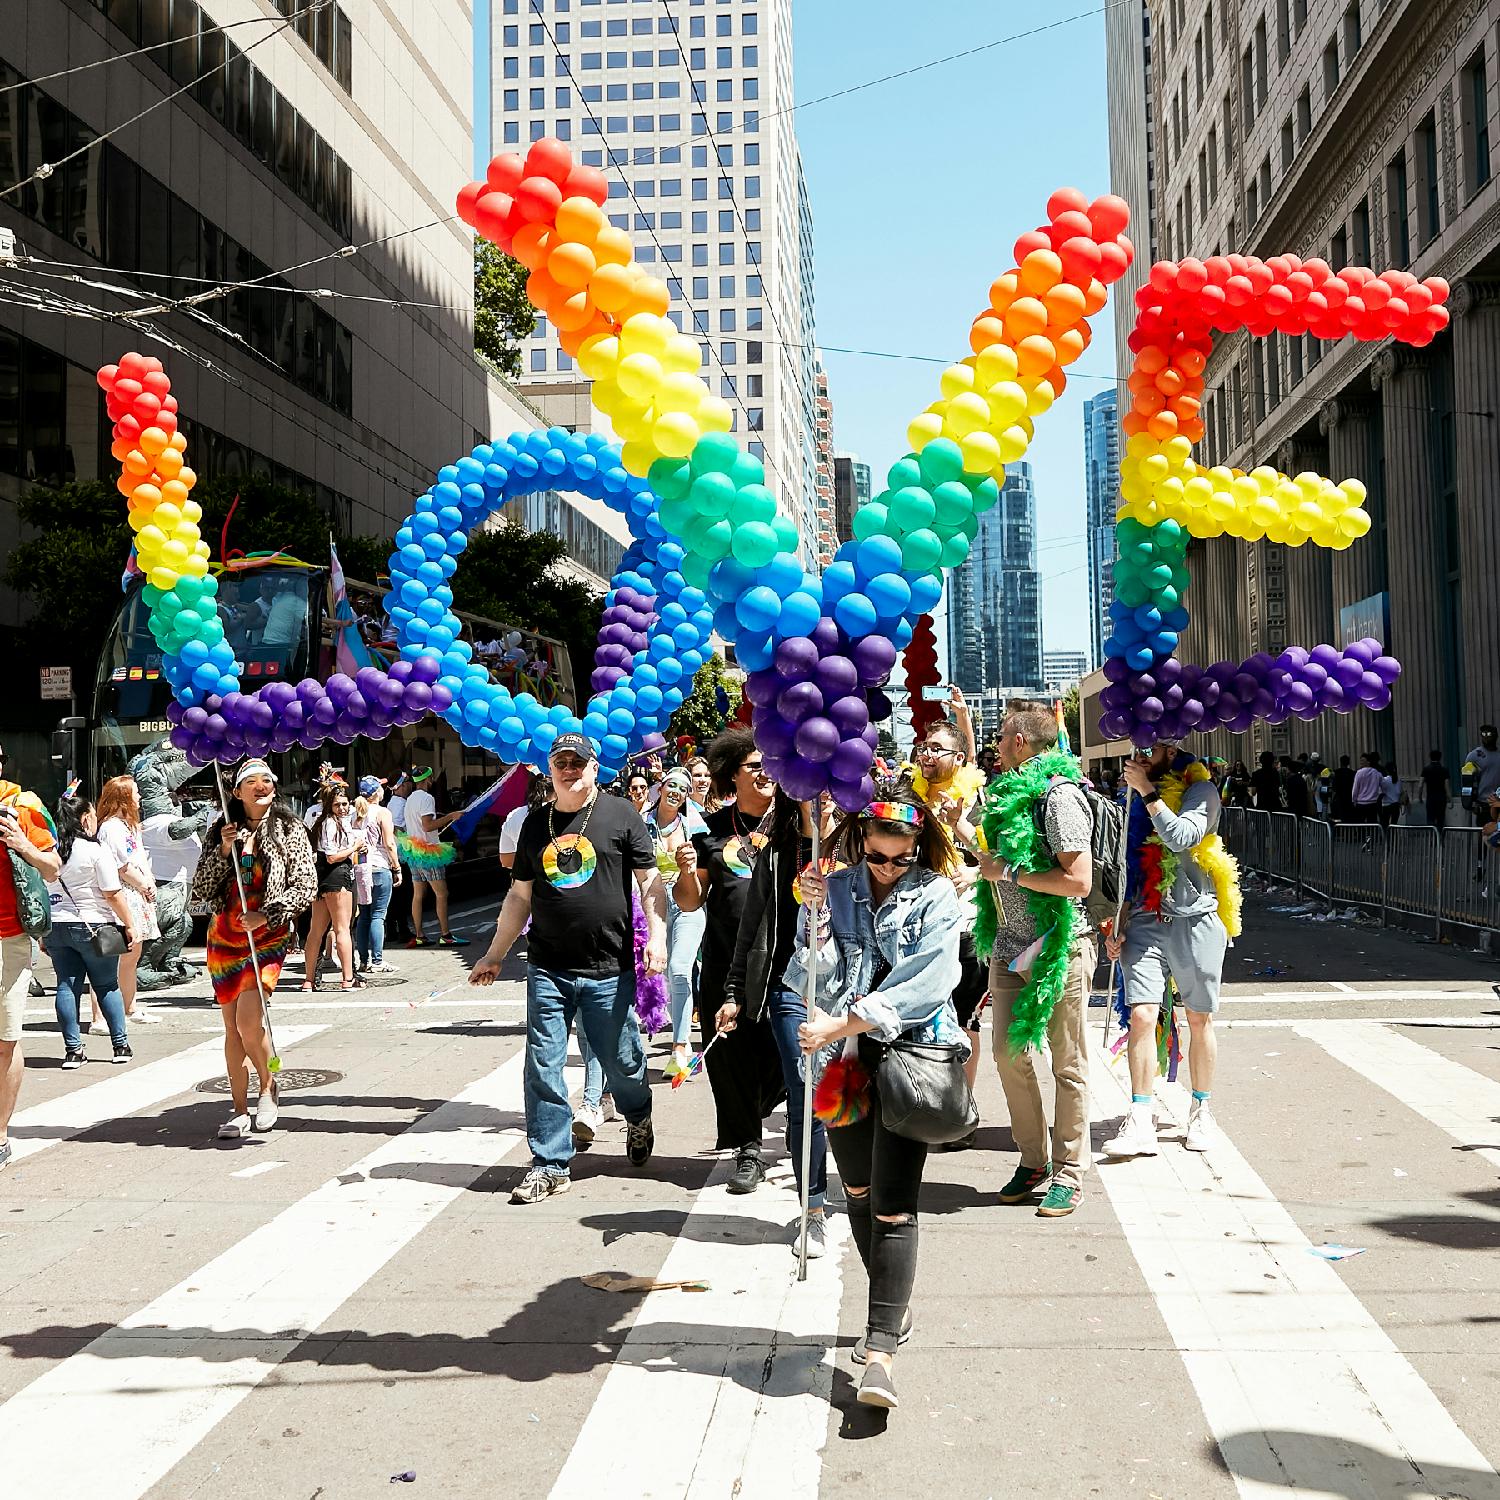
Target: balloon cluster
(920, 664)
(814, 707)
(1175, 698)
(628, 615)
(1166, 497)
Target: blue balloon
(875, 555)
(854, 614)
(755, 652)
(800, 611)
(758, 609)
(838, 580)
(889, 593)
(781, 575)
(901, 635)
(926, 590)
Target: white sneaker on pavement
(817, 1235)
(1201, 1131)
(586, 1124)
(1137, 1136)
(607, 1110)
(141, 1016)
(267, 1109)
(235, 1128)
(98, 1028)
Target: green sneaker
(1026, 1182)
(1059, 1202)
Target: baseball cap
(369, 785)
(579, 744)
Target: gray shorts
(435, 875)
(15, 981)
(1188, 949)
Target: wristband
(1152, 798)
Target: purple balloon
(849, 715)
(401, 671)
(426, 669)
(1314, 674)
(836, 676)
(1116, 669)
(182, 737)
(1142, 686)
(1370, 687)
(880, 706)
(1114, 697)
(390, 694)
(214, 727)
(1299, 697)
(1114, 726)
(294, 716)
(325, 712)
(442, 699)
(1171, 699)
(1191, 713)
(798, 702)
(797, 658)
(826, 636)
(193, 720)
(873, 658)
(773, 735)
(1359, 651)
(762, 688)
(1169, 671)
(853, 796)
(175, 712)
(851, 760)
(804, 779)
(816, 739)
(1149, 710)
(1386, 668)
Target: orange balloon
(612, 285)
(1059, 383)
(540, 288)
(1163, 426)
(650, 295)
(1035, 354)
(571, 264)
(612, 247)
(1132, 423)
(1070, 343)
(175, 491)
(1193, 431)
(121, 449)
(573, 339)
(1003, 290)
(1025, 317)
(1148, 403)
(1152, 360)
(1096, 296)
(1065, 304)
(1040, 272)
(178, 440)
(1140, 381)
(147, 495)
(571, 312)
(531, 245)
(126, 486)
(169, 463)
(1192, 362)
(137, 464)
(580, 219)
(1170, 382)
(985, 332)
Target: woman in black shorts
(337, 844)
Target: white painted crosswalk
(1303, 1387)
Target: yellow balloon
(1013, 444)
(715, 414)
(923, 429)
(1007, 404)
(966, 413)
(682, 355)
(676, 434)
(981, 453)
(150, 538)
(680, 391)
(1039, 398)
(996, 363)
(598, 355)
(1354, 522)
(639, 375)
(955, 380)
(638, 458)
(647, 333)
(163, 578)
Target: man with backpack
(1062, 814)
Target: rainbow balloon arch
(711, 553)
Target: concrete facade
(851, 490)
(1362, 133)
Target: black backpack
(1106, 849)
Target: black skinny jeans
(890, 1167)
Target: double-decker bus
(279, 616)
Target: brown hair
(934, 847)
(116, 801)
(1033, 721)
(711, 802)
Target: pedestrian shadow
(679, 1224)
(1456, 1231)
(1314, 1463)
(471, 1028)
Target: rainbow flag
(349, 650)
(1063, 742)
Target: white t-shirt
(90, 872)
(173, 861)
(396, 807)
(336, 835)
(126, 845)
(375, 853)
(418, 806)
(510, 829)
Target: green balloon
(670, 477)
(953, 502)
(869, 520)
(754, 544)
(747, 469)
(151, 594)
(1169, 530)
(1128, 529)
(905, 471)
(715, 453)
(694, 569)
(675, 515)
(754, 502)
(911, 509)
(787, 539)
(941, 461)
(694, 532)
(969, 527)
(1167, 598)
(717, 540)
(713, 494)
(955, 550)
(1158, 577)
(168, 605)
(921, 551)
(985, 493)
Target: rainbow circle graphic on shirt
(740, 851)
(568, 861)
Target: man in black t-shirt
(1435, 789)
(575, 862)
(1266, 783)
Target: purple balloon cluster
(815, 709)
(623, 631)
(310, 713)
(1174, 698)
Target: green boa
(1010, 829)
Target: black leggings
(889, 1168)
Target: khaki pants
(1067, 1041)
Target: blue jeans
(76, 963)
(604, 1008)
(369, 928)
(593, 1073)
(787, 1012)
(684, 940)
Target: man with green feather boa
(1038, 832)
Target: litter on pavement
(608, 1281)
(1335, 1252)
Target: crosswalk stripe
(1300, 1385)
(147, 1392)
(1456, 1099)
(139, 1087)
(748, 1394)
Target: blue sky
(919, 188)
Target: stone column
(1402, 378)
(1476, 400)
(1309, 577)
(1360, 570)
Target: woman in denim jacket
(888, 929)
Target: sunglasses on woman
(901, 861)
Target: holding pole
(811, 998)
(239, 882)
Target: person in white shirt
(119, 817)
(377, 872)
(88, 905)
(398, 913)
(337, 843)
(1367, 792)
(427, 857)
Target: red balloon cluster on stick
(921, 666)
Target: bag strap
(92, 930)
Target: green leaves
(502, 315)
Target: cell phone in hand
(939, 694)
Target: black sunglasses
(753, 766)
(904, 861)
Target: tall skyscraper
(1132, 150)
(1101, 463)
(823, 486)
(851, 489)
(668, 96)
(1062, 669)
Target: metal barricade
(1358, 872)
(1256, 827)
(1315, 856)
(1413, 871)
(1470, 891)
(1283, 848)
(1232, 830)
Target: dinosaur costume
(173, 839)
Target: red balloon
(1260, 276)
(106, 376)
(1074, 221)
(158, 383)
(1081, 259)
(127, 388)
(504, 173)
(490, 214)
(128, 427)
(1114, 262)
(169, 403)
(549, 158)
(468, 196)
(1192, 276)
(146, 406)
(1034, 239)
(1110, 216)
(538, 199)
(587, 182)
(1066, 200)
(1439, 289)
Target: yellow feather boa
(963, 786)
(1213, 858)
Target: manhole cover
(288, 1080)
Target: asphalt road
(303, 1316)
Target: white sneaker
(267, 1109)
(817, 1235)
(586, 1124)
(140, 1016)
(236, 1128)
(1137, 1137)
(98, 1028)
(607, 1111)
(385, 966)
(1201, 1131)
